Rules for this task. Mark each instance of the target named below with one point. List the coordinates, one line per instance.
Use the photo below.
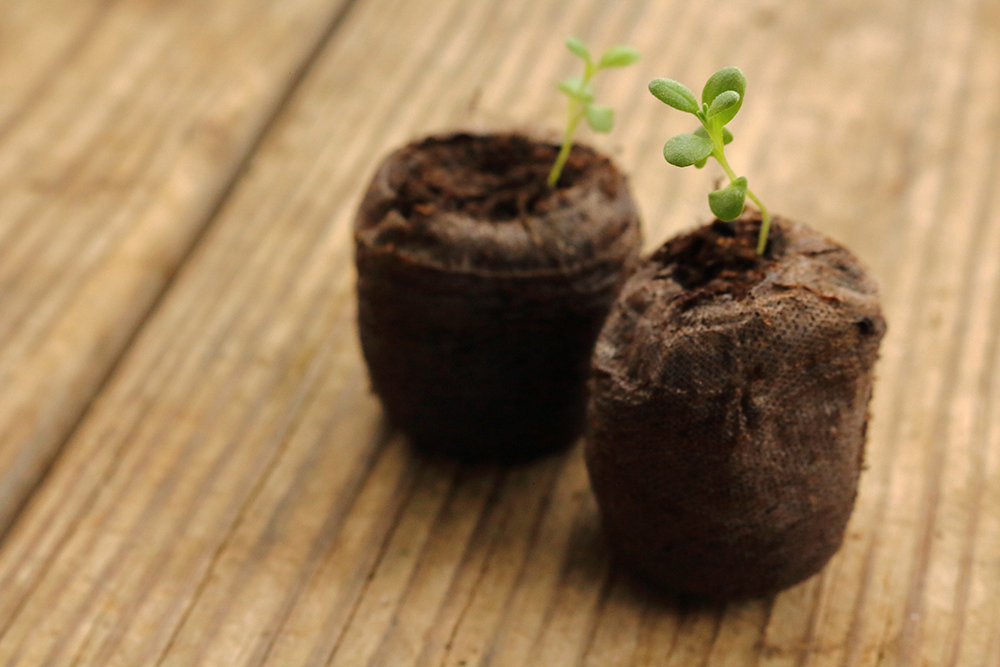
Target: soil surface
(481, 202)
(720, 258)
(497, 180)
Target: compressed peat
(729, 408)
(481, 290)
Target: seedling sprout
(721, 98)
(580, 91)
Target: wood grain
(122, 123)
(233, 497)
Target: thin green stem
(765, 222)
(574, 116)
(765, 216)
(720, 157)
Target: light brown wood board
(122, 124)
(231, 495)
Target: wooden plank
(233, 497)
(883, 594)
(122, 123)
(52, 31)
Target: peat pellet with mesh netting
(729, 408)
(481, 290)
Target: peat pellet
(481, 290)
(729, 408)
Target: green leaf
(726, 79)
(727, 136)
(700, 163)
(723, 101)
(675, 94)
(618, 56)
(571, 87)
(685, 150)
(727, 203)
(600, 119)
(579, 48)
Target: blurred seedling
(580, 91)
(721, 99)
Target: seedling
(581, 97)
(721, 98)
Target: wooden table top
(192, 468)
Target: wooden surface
(192, 470)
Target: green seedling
(721, 98)
(580, 91)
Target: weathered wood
(232, 496)
(122, 123)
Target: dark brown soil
(481, 291)
(717, 259)
(729, 408)
(501, 180)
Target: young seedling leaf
(685, 150)
(618, 56)
(580, 91)
(571, 87)
(675, 94)
(726, 79)
(578, 48)
(600, 119)
(727, 203)
(727, 136)
(723, 101)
